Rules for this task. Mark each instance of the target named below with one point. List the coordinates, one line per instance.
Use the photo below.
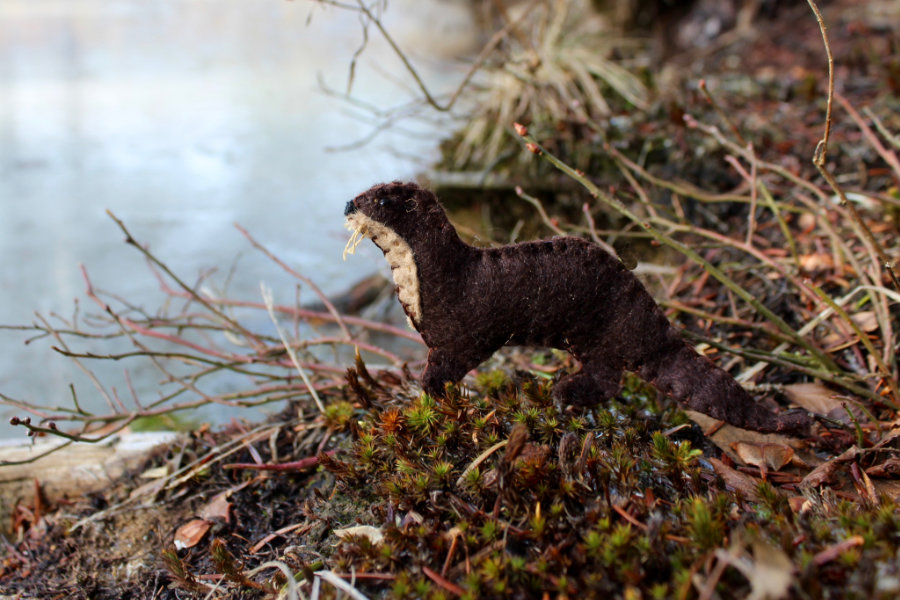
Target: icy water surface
(183, 117)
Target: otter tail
(700, 385)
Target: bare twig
(184, 339)
(267, 298)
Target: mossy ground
(616, 501)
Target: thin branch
(267, 298)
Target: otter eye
(383, 201)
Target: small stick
(267, 298)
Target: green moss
(548, 515)
(338, 414)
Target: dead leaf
(863, 484)
(799, 504)
(727, 435)
(148, 491)
(373, 534)
(889, 488)
(865, 320)
(190, 534)
(814, 397)
(217, 508)
(817, 261)
(764, 456)
(772, 573)
(739, 482)
(888, 469)
(156, 472)
(807, 222)
(769, 570)
(825, 472)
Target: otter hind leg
(596, 382)
(444, 365)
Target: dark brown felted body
(565, 293)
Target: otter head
(394, 215)
(405, 208)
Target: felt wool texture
(565, 293)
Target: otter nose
(350, 208)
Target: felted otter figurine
(565, 293)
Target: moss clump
(570, 502)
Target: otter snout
(350, 208)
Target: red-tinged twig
(722, 114)
(90, 375)
(822, 148)
(173, 339)
(887, 155)
(312, 315)
(129, 239)
(832, 552)
(820, 161)
(297, 465)
(52, 429)
(444, 583)
(318, 292)
(731, 146)
(302, 527)
(891, 159)
(629, 517)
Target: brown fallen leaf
(772, 573)
(816, 261)
(890, 468)
(373, 534)
(889, 488)
(799, 504)
(217, 508)
(824, 473)
(814, 397)
(863, 484)
(739, 482)
(725, 436)
(767, 568)
(764, 456)
(190, 534)
(865, 320)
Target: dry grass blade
(270, 303)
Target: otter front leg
(444, 365)
(596, 382)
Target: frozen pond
(184, 117)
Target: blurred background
(184, 117)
